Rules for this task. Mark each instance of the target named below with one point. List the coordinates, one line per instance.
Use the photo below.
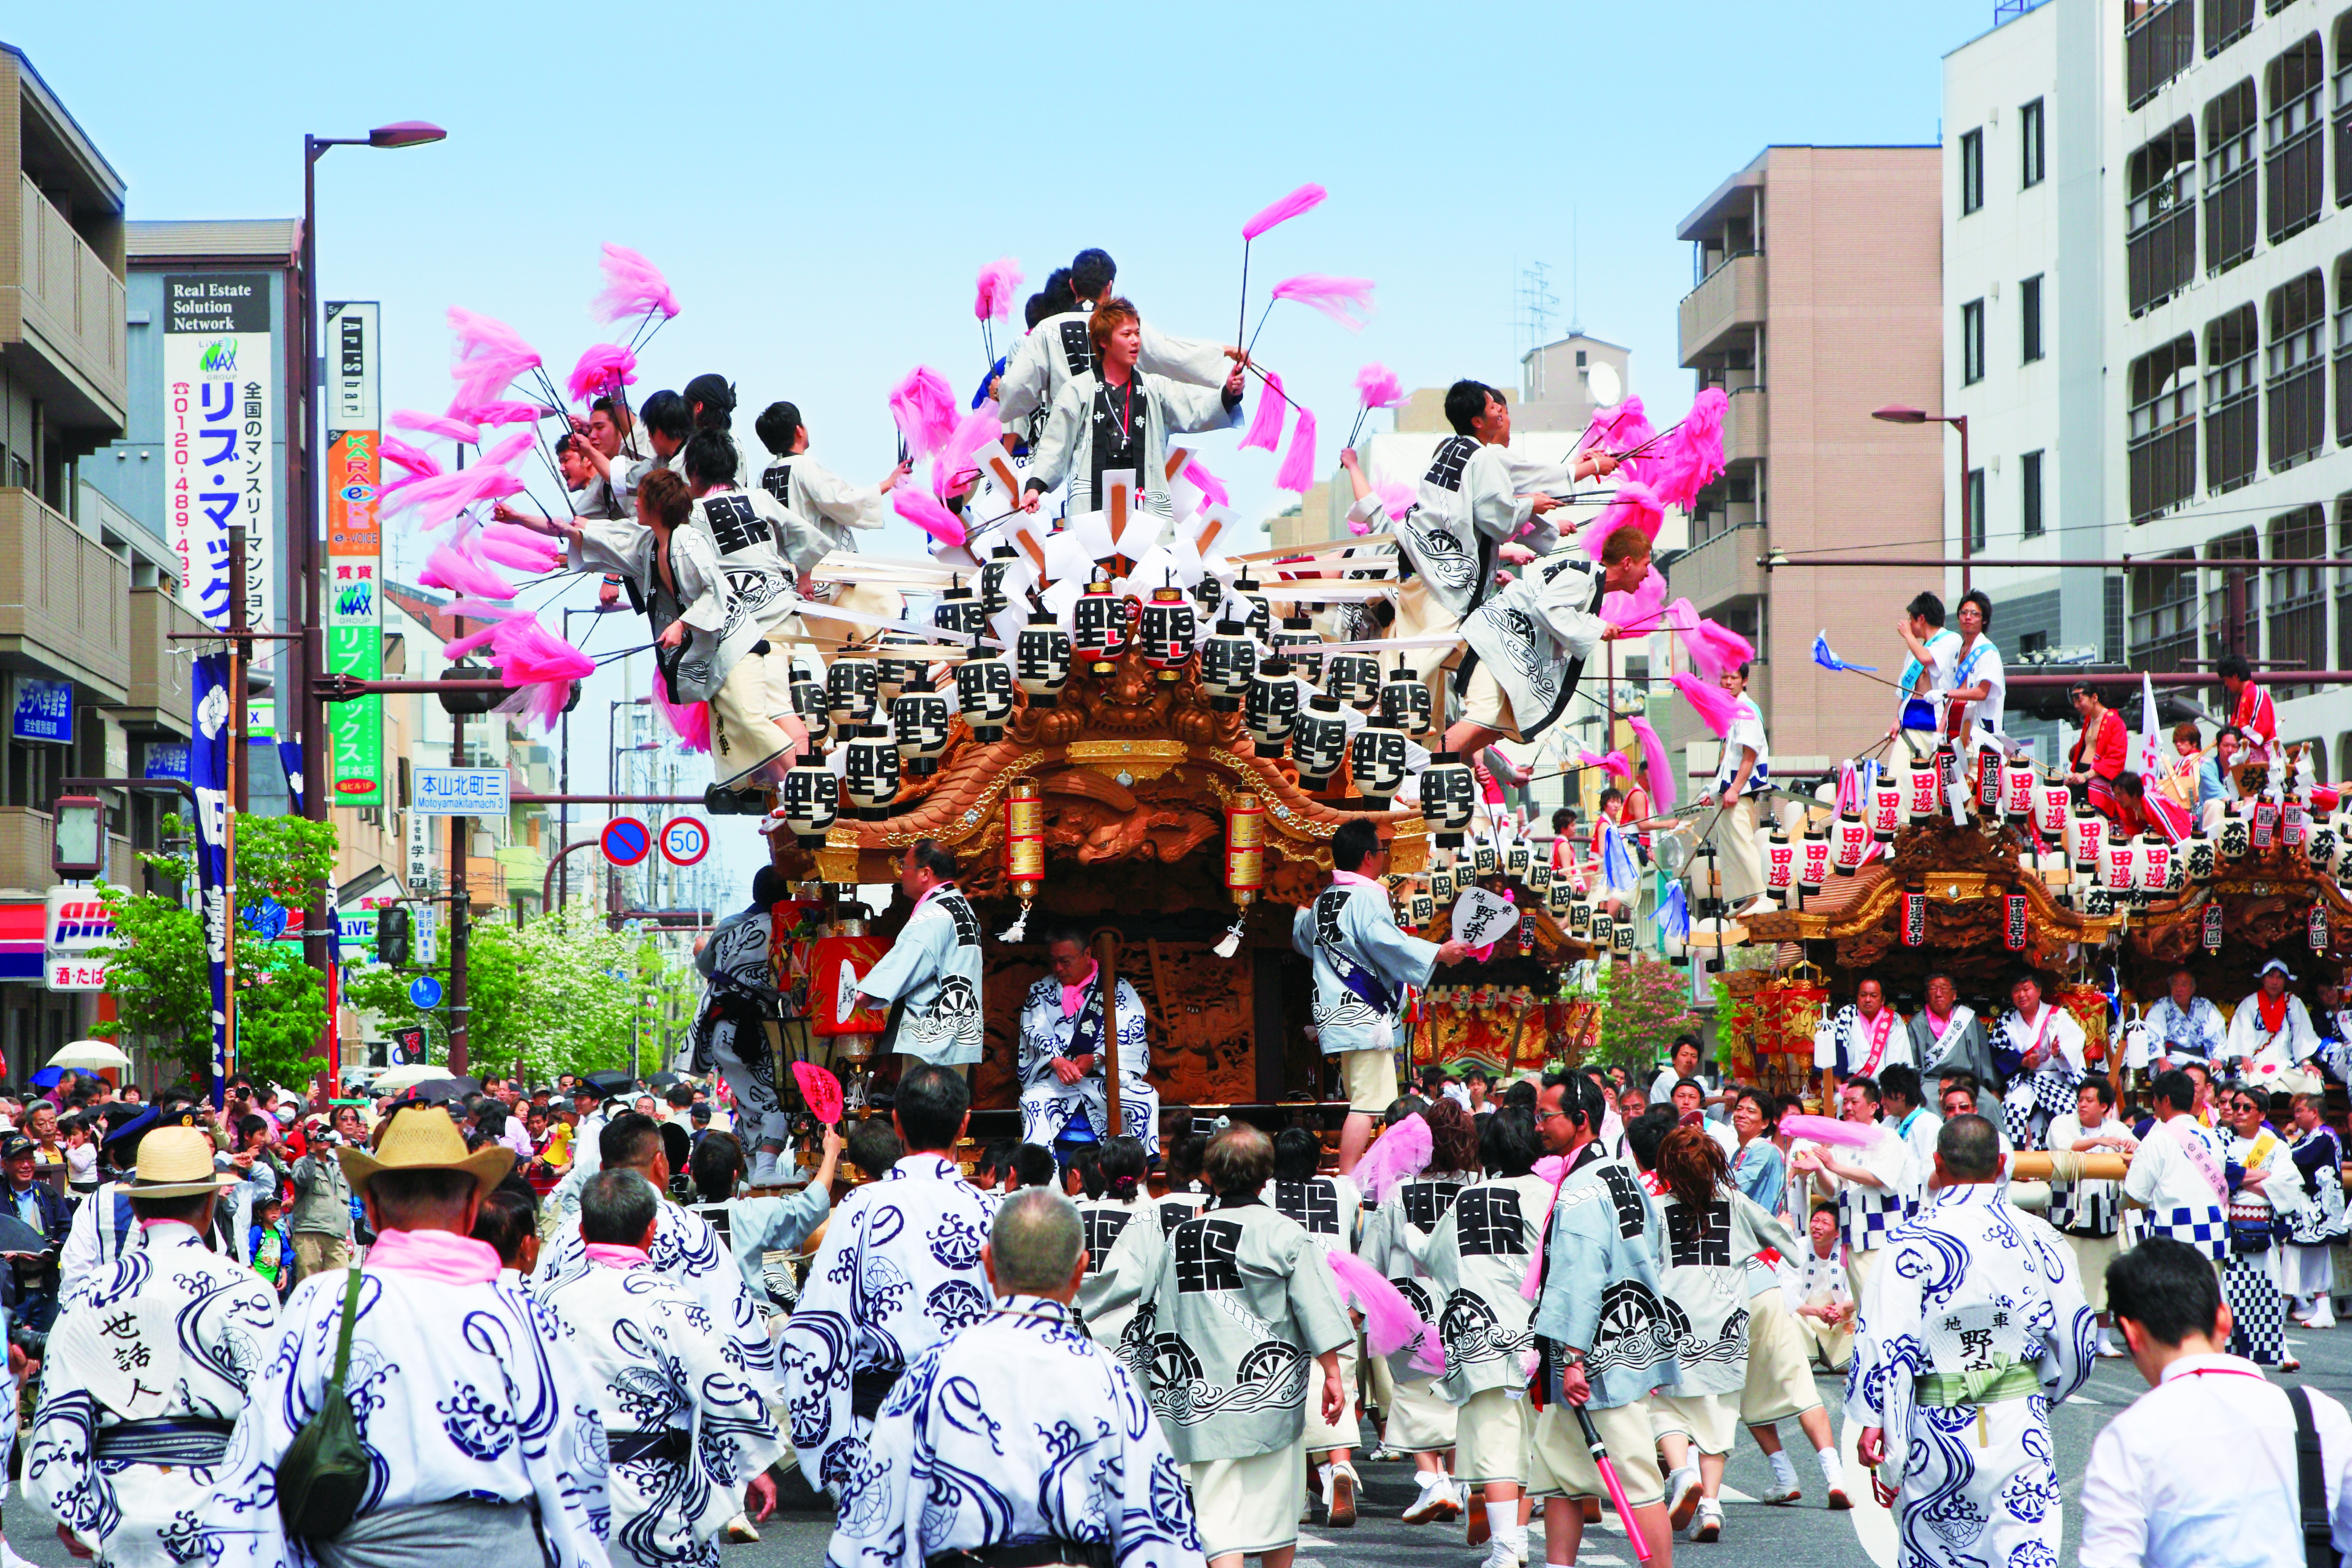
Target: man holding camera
(321, 1220)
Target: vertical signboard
(220, 382)
(354, 553)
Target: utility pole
(457, 911)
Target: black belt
(166, 1440)
(667, 1443)
(1029, 1554)
(867, 1390)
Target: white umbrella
(89, 1055)
(393, 1080)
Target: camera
(32, 1341)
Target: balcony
(25, 853)
(71, 307)
(1746, 426)
(1731, 297)
(65, 599)
(1721, 570)
(159, 698)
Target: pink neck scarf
(442, 1257)
(1072, 995)
(1352, 879)
(611, 1255)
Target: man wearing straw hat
(104, 1228)
(480, 1431)
(148, 1369)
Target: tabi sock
(1783, 1471)
(1833, 1471)
(1501, 1517)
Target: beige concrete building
(1817, 297)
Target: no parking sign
(625, 841)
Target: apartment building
(1816, 299)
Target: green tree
(1643, 1006)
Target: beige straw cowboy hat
(424, 1139)
(176, 1162)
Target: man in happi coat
(1974, 1329)
(2271, 1038)
(1529, 639)
(1020, 1439)
(683, 1430)
(1327, 1208)
(1947, 1037)
(104, 1228)
(1061, 348)
(2040, 1050)
(2178, 1172)
(1363, 963)
(899, 1272)
(148, 1369)
(1063, 1063)
(477, 1427)
(1876, 1183)
(2183, 1027)
(729, 1034)
(1862, 1036)
(685, 1248)
(1420, 1421)
(931, 975)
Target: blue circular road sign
(425, 991)
(626, 841)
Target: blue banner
(208, 772)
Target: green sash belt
(1989, 1386)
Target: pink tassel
(993, 295)
(520, 548)
(1389, 1322)
(490, 355)
(459, 647)
(1639, 608)
(421, 463)
(925, 408)
(975, 431)
(1624, 426)
(690, 721)
(1376, 386)
(1264, 432)
(1211, 489)
(1396, 498)
(1398, 1154)
(541, 666)
(1654, 757)
(460, 431)
(443, 496)
(1297, 470)
(1712, 648)
(922, 508)
(451, 568)
(1332, 296)
(1714, 706)
(1304, 199)
(633, 287)
(1822, 1130)
(1636, 505)
(604, 369)
(503, 413)
(1615, 763)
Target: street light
(1896, 414)
(307, 654)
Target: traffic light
(391, 936)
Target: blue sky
(821, 183)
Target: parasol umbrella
(446, 1087)
(89, 1055)
(610, 1080)
(663, 1080)
(17, 1236)
(393, 1080)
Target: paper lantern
(1484, 860)
(919, 717)
(1580, 917)
(1228, 659)
(1421, 908)
(852, 688)
(2017, 792)
(984, 695)
(1449, 796)
(1297, 640)
(810, 798)
(1354, 679)
(1271, 709)
(993, 600)
(2049, 804)
(893, 674)
(960, 611)
(2195, 854)
(1244, 849)
(1780, 859)
(1319, 741)
(1404, 702)
(1812, 860)
(2116, 872)
(1441, 877)
(1559, 898)
(2086, 832)
(1024, 843)
(1041, 660)
(1537, 873)
(1885, 809)
(1985, 785)
(2237, 837)
(808, 702)
(1376, 760)
(1850, 844)
(1248, 609)
(2291, 823)
(1604, 930)
(1168, 633)
(870, 772)
(1923, 793)
(1621, 938)
(2151, 862)
(1101, 627)
(1515, 859)
(2266, 823)
(2323, 846)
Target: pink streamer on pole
(1305, 198)
(1615, 763)
(1636, 506)
(690, 721)
(1714, 706)
(1332, 296)
(416, 461)
(464, 432)
(504, 413)
(1376, 386)
(923, 510)
(1212, 487)
(519, 548)
(1390, 1322)
(604, 369)
(992, 293)
(1691, 457)
(1297, 470)
(490, 355)
(540, 664)
(452, 568)
(443, 496)
(975, 431)
(633, 287)
(1396, 498)
(1401, 1152)
(1712, 648)
(925, 408)
(1654, 760)
(1822, 1130)
(1264, 432)
(1638, 609)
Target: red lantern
(1244, 849)
(1024, 841)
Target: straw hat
(176, 1162)
(425, 1139)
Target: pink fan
(690, 721)
(1264, 432)
(821, 1089)
(1297, 470)
(462, 431)
(1336, 298)
(1211, 489)
(1714, 706)
(925, 408)
(1401, 1153)
(604, 369)
(992, 293)
(1389, 1322)
(1653, 755)
(1303, 199)
(923, 510)
(633, 287)
(1822, 1130)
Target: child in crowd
(270, 1248)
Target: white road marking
(1873, 1527)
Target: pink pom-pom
(1297, 470)
(1211, 489)
(690, 721)
(1714, 707)
(1712, 648)
(460, 431)
(1624, 428)
(604, 369)
(1396, 498)
(923, 510)
(1389, 1322)
(519, 548)
(1264, 432)
(925, 408)
(1823, 1130)
(438, 497)
(1376, 386)
(950, 470)
(1635, 506)
(490, 355)
(1332, 296)
(992, 294)
(454, 569)
(633, 287)
(417, 461)
(1655, 758)
(1398, 1154)
(1301, 200)
(1614, 763)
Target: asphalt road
(1753, 1533)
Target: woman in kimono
(2265, 1186)
(1120, 419)
(2318, 1224)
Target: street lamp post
(307, 653)
(1896, 414)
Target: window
(2232, 401)
(2344, 350)
(2158, 39)
(2163, 428)
(2029, 497)
(1976, 503)
(2029, 307)
(2163, 625)
(2293, 174)
(2161, 217)
(2343, 95)
(2294, 597)
(2029, 136)
(2230, 602)
(2226, 21)
(1972, 343)
(2230, 220)
(2029, 644)
(2344, 597)
(2295, 384)
(1971, 172)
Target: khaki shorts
(1345, 1433)
(1249, 1506)
(1418, 615)
(1483, 703)
(1780, 1382)
(1711, 1421)
(1369, 1079)
(743, 733)
(1420, 1420)
(1491, 1443)
(2092, 1255)
(1560, 1465)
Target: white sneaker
(1710, 1520)
(1434, 1505)
(1501, 1555)
(738, 1531)
(1339, 1498)
(1779, 1493)
(2322, 1315)
(1682, 1498)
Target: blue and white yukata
(1971, 1330)
(1067, 1021)
(2179, 1179)
(691, 1254)
(2190, 1034)
(2047, 1091)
